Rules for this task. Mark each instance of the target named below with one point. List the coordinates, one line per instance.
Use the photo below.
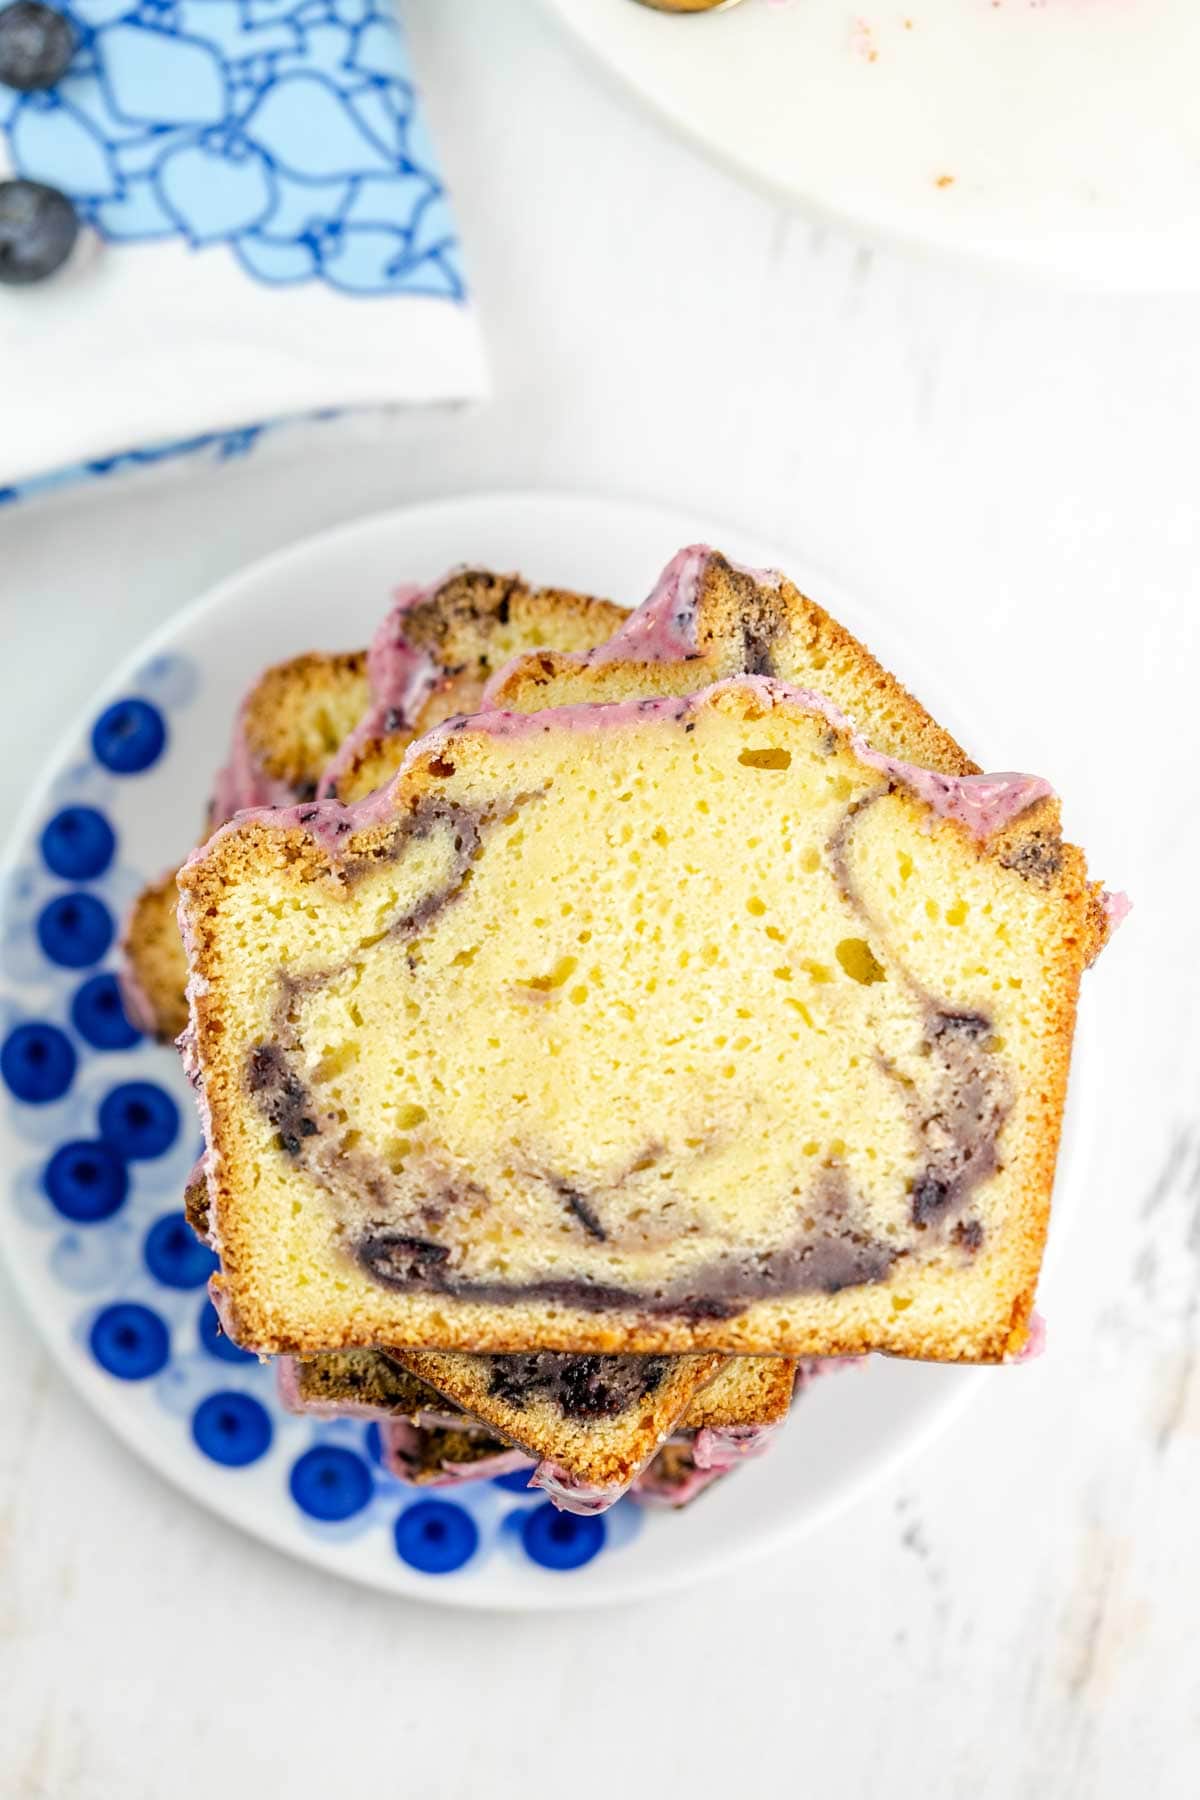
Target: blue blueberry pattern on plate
(86, 1181)
(129, 736)
(98, 1015)
(37, 1062)
(330, 1483)
(78, 843)
(105, 1122)
(560, 1540)
(130, 1341)
(436, 1536)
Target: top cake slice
(301, 715)
(707, 618)
(653, 1026)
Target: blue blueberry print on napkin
(286, 130)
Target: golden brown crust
(852, 1323)
(473, 625)
(597, 1452)
(746, 1390)
(749, 1390)
(298, 712)
(744, 626)
(365, 1380)
(195, 1202)
(154, 967)
(439, 1447)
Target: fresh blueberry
(130, 1341)
(139, 1120)
(86, 1182)
(36, 46)
(232, 1428)
(74, 930)
(436, 1537)
(38, 229)
(560, 1540)
(98, 1015)
(215, 1340)
(128, 736)
(78, 843)
(37, 1063)
(174, 1254)
(329, 1483)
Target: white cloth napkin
(266, 235)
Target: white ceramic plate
(113, 1280)
(1061, 135)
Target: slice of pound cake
(439, 646)
(647, 1027)
(596, 1419)
(524, 1401)
(709, 618)
(363, 1383)
(593, 1422)
(592, 1425)
(431, 658)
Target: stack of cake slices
(603, 1022)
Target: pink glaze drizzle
(983, 804)
(242, 782)
(399, 678)
(653, 1489)
(663, 627)
(570, 1494)
(400, 1447)
(723, 1447)
(1035, 1344)
(1117, 908)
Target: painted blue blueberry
(329, 1483)
(232, 1428)
(78, 843)
(436, 1537)
(515, 1482)
(130, 1341)
(373, 1439)
(98, 1015)
(174, 1254)
(37, 1062)
(559, 1540)
(139, 1120)
(86, 1181)
(215, 1341)
(74, 929)
(129, 736)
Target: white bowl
(1060, 136)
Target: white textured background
(1013, 471)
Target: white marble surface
(1014, 471)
